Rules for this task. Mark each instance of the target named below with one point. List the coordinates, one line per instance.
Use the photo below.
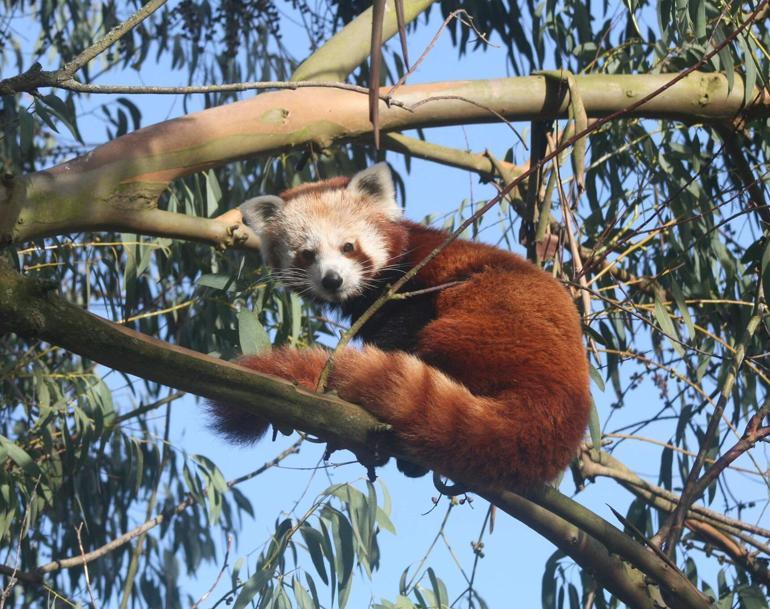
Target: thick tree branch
(349, 47)
(109, 187)
(30, 309)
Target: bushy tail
(512, 438)
(303, 367)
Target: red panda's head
(330, 238)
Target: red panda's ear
(258, 211)
(375, 186)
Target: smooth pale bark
(112, 186)
(345, 51)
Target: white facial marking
(322, 223)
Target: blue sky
(511, 571)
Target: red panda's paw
(301, 366)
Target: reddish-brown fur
(497, 390)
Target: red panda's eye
(307, 255)
(348, 247)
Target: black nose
(332, 281)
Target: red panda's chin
(335, 297)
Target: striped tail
(513, 438)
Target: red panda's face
(328, 243)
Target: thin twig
(671, 530)
(219, 576)
(78, 530)
(149, 407)
(415, 579)
(34, 577)
(456, 14)
(111, 37)
(577, 263)
(435, 288)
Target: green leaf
(749, 67)
(548, 589)
(252, 336)
(698, 9)
(41, 111)
(765, 270)
(666, 467)
(304, 600)
(213, 193)
(252, 587)
(237, 566)
(313, 591)
(439, 590)
(596, 377)
(667, 325)
(64, 112)
(725, 56)
(217, 282)
(342, 534)
(594, 426)
(136, 114)
(314, 542)
(681, 306)
(26, 132)
(296, 315)
(751, 597)
(19, 456)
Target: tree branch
(481, 164)
(349, 47)
(111, 185)
(35, 77)
(712, 526)
(30, 309)
(694, 486)
(82, 559)
(605, 465)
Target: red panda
(486, 380)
